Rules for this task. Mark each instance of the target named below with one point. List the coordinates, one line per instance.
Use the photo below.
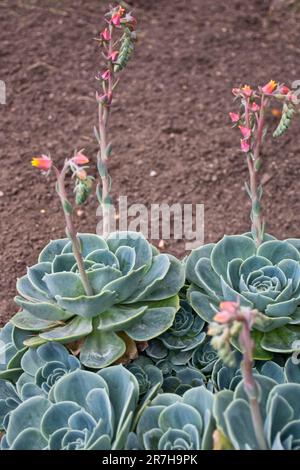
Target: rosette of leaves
(174, 348)
(134, 295)
(149, 377)
(266, 278)
(280, 410)
(204, 357)
(11, 351)
(43, 367)
(84, 411)
(228, 377)
(172, 422)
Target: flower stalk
(251, 122)
(82, 190)
(118, 21)
(233, 320)
(70, 227)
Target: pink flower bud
(245, 146)
(113, 56)
(254, 107)
(227, 313)
(106, 35)
(43, 163)
(80, 159)
(284, 90)
(223, 317)
(245, 131)
(116, 19)
(269, 87)
(234, 117)
(105, 75)
(229, 306)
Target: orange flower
(269, 87)
(276, 112)
(43, 163)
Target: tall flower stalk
(251, 122)
(82, 190)
(116, 42)
(234, 320)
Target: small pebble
(1, 193)
(80, 212)
(161, 244)
(153, 173)
(42, 211)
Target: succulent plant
(204, 357)
(172, 422)
(280, 410)
(135, 291)
(266, 278)
(42, 367)
(84, 411)
(174, 348)
(9, 400)
(182, 380)
(226, 377)
(11, 351)
(147, 375)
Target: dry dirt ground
(170, 115)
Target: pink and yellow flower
(43, 162)
(269, 87)
(247, 90)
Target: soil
(170, 115)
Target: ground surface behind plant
(170, 115)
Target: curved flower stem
(103, 115)
(70, 228)
(250, 385)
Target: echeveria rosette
(204, 357)
(172, 422)
(280, 410)
(174, 348)
(43, 367)
(86, 411)
(11, 351)
(266, 278)
(135, 291)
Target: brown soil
(171, 114)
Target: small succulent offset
(84, 411)
(280, 410)
(40, 369)
(43, 367)
(11, 351)
(172, 422)
(134, 290)
(174, 348)
(266, 278)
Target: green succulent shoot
(83, 411)
(266, 278)
(135, 290)
(280, 411)
(172, 422)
